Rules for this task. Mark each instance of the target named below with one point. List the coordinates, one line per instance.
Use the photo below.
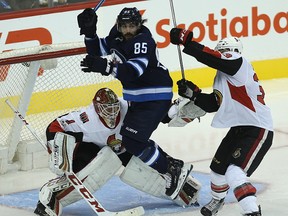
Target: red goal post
(42, 82)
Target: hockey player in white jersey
(96, 153)
(238, 100)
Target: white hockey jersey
(241, 98)
(86, 120)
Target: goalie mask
(107, 106)
(232, 44)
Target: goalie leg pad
(144, 178)
(59, 192)
(94, 175)
(47, 195)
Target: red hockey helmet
(107, 106)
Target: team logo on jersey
(237, 153)
(84, 117)
(219, 96)
(115, 144)
(117, 57)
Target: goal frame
(14, 152)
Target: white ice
(197, 143)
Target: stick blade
(137, 211)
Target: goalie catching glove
(184, 111)
(98, 65)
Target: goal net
(42, 83)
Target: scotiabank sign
(256, 24)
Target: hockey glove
(180, 36)
(97, 64)
(188, 89)
(87, 21)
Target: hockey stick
(98, 5)
(178, 46)
(77, 183)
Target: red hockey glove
(180, 36)
(188, 89)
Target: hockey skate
(176, 162)
(212, 207)
(175, 177)
(254, 213)
(40, 209)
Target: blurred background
(16, 5)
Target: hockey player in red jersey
(131, 56)
(96, 153)
(238, 100)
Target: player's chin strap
(184, 111)
(144, 178)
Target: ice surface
(194, 143)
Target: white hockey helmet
(107, 106)
(232, 44)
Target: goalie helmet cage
(42, 82)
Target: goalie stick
(77, 183)
(178, 46)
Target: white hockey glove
(184, 111)
(61, 157)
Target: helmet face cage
(230, 44)
(129, 15)
(107, 106)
